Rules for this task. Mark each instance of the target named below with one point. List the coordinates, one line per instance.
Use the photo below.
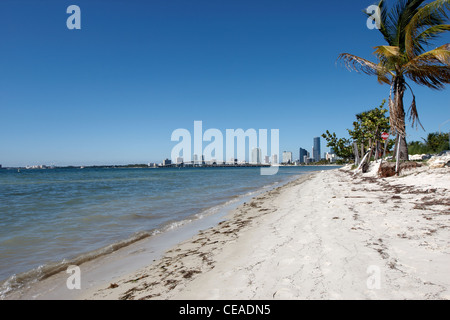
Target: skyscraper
(316, 149)
(274, 159)
(302, 155)
(287, 157)
(256, 155)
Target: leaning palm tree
(408, 29)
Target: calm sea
(54, 215)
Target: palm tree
(408, 29)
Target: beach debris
(113, 285)
(439, 161)
(188, 274)
(418, 157)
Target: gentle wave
(16, 282)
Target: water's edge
(103, 265)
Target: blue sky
(114, 91)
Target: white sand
(331, 235)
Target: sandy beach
(327, 235)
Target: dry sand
(329, 235)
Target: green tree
(437, 142)
(368, 127)
(434, 143)
(408, 29)
(366, 133)
(342, 147)
(417, 147)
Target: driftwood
(363, 165)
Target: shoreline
(327, 235)
(231, 222)
(132, 255)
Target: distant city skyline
(255, 157)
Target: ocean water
(48, 217)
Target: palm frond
(385, 26)
(441, 54)
(432, 76)
(387, 51)
(426, 36)
(404, 11)
(358, 64)
(438, 56)
(390, 57)
(383, 76)
(432, 15)
(413, 114)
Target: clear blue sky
(113, 92)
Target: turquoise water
(47, 216)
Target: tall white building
(330, 157)
(256, 156)
(274, 159)
(287, 157)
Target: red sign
(385, 135)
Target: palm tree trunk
(397, 116)
(403, 155)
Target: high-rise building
(287, 157)
(316, 149)
(274, 159)
(302, 155)
(307, 158)
(256, 155)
